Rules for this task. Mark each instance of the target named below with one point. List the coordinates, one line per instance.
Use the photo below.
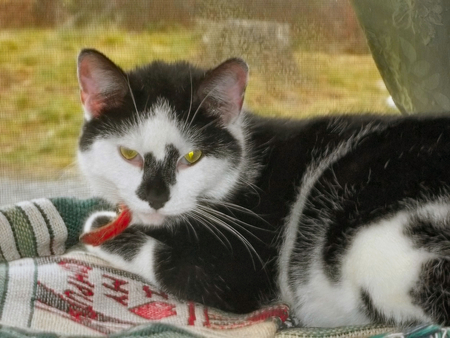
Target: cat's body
(346, 219)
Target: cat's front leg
(195, 268)
(132, 250)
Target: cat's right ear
(102, 83)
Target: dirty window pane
(306, 58)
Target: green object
(409, 42)
(148, 331)
(44, 227)
(75, 211)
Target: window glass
(306, 58)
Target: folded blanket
(49, 287)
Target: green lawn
(40, 114)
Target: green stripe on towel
(40, 229)
(74, 212)
(7, 239)
(33, 297)
(56, 226)
(4, 277)
(51, 233)
(23, 231)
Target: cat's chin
(149, 218)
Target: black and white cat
(346, 219)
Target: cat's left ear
(103, 84)
(223, 89)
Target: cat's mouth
(148, 217)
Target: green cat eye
(128, 154)
(193, 156)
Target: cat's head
(164, 137)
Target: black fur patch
(127, 244)
(371, 311)
(158, 177)
(432, 292)
(426, 234)
(101, 221)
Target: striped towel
(43, 227)
(48, 291)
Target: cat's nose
(157, 202)
(157, 197)
(155, 194)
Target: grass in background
(328, 84)
(40, 113)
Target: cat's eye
(193, 156)
(128, 154)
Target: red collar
(107, 231)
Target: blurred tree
(44, 12)
(323, 25)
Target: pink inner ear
(90, 95)
(237, 90)
(226, 86)
(102, 82)
(90, 92)
(93, 106)
(234, 95)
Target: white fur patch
(154, 133)
(142, 264)
(436, 211)
(322, 304)
(381, 261)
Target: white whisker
(252, 186)
(190, 103)
(238, 235)
(189, 225)
(232, 206)
(203, 219)
(200, 105)
(234, 221)
(206, 126)
(131, 93)
(146, 103)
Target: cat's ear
(103, 84)
(223, 89)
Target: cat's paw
(98, 219)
